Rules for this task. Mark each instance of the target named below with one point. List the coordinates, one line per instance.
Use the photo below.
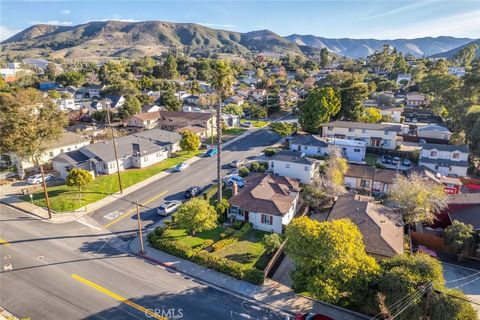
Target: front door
(245, 215)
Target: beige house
(369, 180)
(202, 123)
(146, 120)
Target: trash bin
(25, 191)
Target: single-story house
(137, 150)
(368, 179)
(179, 121)
(434, 131)
(293, 164)
(380, 226)
(445, 159)
(268, 202)
(236, 99)
(416, 99)
(231, 120)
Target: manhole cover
(112, 215)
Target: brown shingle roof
(371, 173)
(380, 226)
(265, 193)
(147, 116)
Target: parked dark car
(312, 316)
(192, 192)
(387, 159)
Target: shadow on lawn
(241, 257)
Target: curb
(5, 315)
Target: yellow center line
(4, 242)
(126, 214)
(147, 312)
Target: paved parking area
(464, 279)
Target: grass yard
(234, 131)
(256, 123)
(370, 159)
(248, 251)
(64, 198)
(181, 235)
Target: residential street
(120, 216)
(68, 271)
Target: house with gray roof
(293, 164)
(445, 159)
(434, 131)
(137, 150)
(380, 226)
(377, 135)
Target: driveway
(464, 279)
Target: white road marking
(8, 267)
(88, 225)
(112, 215)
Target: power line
(459, 279)
(420, 294)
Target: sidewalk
(271, 293)
(14, 201)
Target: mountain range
(103, 39)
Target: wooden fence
(431, 241)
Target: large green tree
(28, 123)
(130, 107)
(329, 258)
(169, 68)
(465, 55)
(461, 236)
(71, 78)
(78, 178)
(196, 215)
(190, 141)
(171, 102)
(318, 107)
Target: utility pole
(140, 233)
(114, 145)
(47, 201)
(219, 148)
(211, 127)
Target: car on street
(246, 124)
(406, 162)
(168, 207)
(237, 163)
(234, 178)
(192, 192)
(211, 152)
(312, 316)
(37, 178)
(387, 159)
(181, 166)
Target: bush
(173, 247)
(220, 264)
(254, 275)
(272, 242)
(258, 166)
(247, 227)
(269, 152)
(223, 243)
(243, 172)
(229, 231)
(159, 231)
(237, 224)
(210, 192)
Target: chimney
(234, 188)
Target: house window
(386, 143)
(299, 148)
(365, 183)
(456, 155)
(330, 128)
(386, 132)
(364, 131)
(306, 168)
(351, 130)
(272, 164)
(51, 153)
(305, 147)
(433, 153)
(356, 150)
(287, 165)
(112, 165)
(61, 150)
(267, 219)
(69, 149)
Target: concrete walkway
(271, 293)
(14, 200)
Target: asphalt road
(120, 216)
(68, 271)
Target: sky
(380, 19)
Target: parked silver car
(168, 207)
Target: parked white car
(237, 163)
(168, 207)
(181, 166)
(37, 178)
(246, 124)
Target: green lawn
(248, 251)
(256, 123)
(234, 131)
(64, 198)
(181, 235)
(370, 159)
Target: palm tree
(222, 82)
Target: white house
(404, 78)
(445, 159)
(456, 71)
(66, 104)
(378, 135)
(312, 145)
(67, 142)
(258, 94)
(145, 120)
(415, 99)
(434, 131)
(293, 164)
(138, 150)
(268, 202)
